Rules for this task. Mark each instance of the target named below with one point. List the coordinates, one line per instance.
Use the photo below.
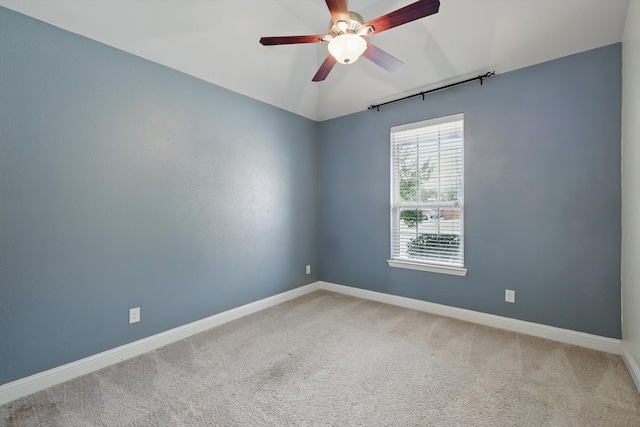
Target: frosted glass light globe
(347, 48)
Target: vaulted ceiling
(217, 41)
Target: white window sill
(456, 271)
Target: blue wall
(123, 184)
(542, 195)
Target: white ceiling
(217, 41)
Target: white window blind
(427, 204)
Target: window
(427, 206)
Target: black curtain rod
(481, 78)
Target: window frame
(395, 205)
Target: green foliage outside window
(421, 246)
(413, 217)
(410, 178)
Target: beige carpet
(329, 359)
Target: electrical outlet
(134, 315)
(308, 269)
(509, 295)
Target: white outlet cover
(134, 315)
(510, 295)
(308, 269)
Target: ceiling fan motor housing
(348, 27)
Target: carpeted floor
(330, 359)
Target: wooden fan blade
(382, 58)
(338, 10)
(270, 41)
(409, 13)
(324, 69)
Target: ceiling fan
(346, 35)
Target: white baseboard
(632, 366)
(596, 342)
(60, 374)
(40, 381)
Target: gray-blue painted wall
(542, 195)
(123, 184)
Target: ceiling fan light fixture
(347, 48)
(342, 25)
(366, 31)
